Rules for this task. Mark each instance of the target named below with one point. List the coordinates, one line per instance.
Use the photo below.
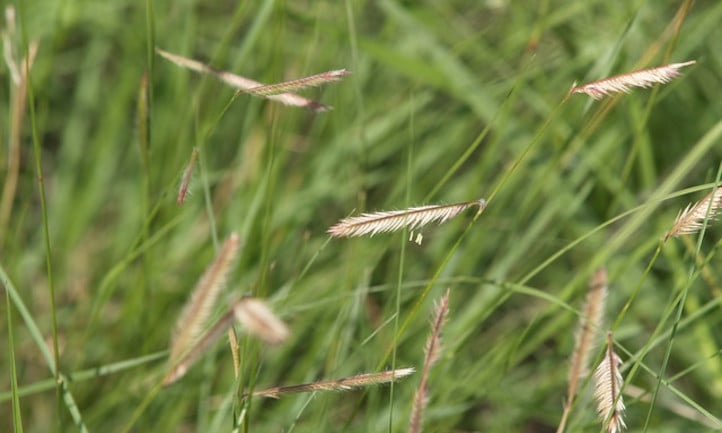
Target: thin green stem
(37, 151)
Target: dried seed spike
(181, 364)
(692, 218)
(235, 354)
(241, 83)
(299, 84)
(260, 321)
(186, 178)
(607, 390)
(625, 82)
(389, 221)
(343, 384)
(251, 310)
(198, 307)
(589, 325)
(432, 351)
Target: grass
(448, 101)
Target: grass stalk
(14, 391)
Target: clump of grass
(626, 82)
(389, 221)
(693, 217)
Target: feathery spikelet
(589, 324)
(692, 218)
(260, 321)
(343, 384)
(625, 82)
(432, 351)
(186, 178)
(296, 85)
(241, 83)
(389, 221)
(195, 313)
(607, 390)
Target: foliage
(447, 101)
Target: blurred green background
(448, 101)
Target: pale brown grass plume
(277, 92)
(265, 325)
(180, 364)
(342, 384)
(260, 321)
(296, 85)
(432, 351)
(193, 318)
(588, 328)
(693, 217)
(626, 82)
(389, 221)
(186, 178)
(607, 390)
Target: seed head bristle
(193, 318)
(389, 221)
(241, 83)
(343, 384)
(608, 383)
(432, 351)
(693, 217)
(259, 320)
